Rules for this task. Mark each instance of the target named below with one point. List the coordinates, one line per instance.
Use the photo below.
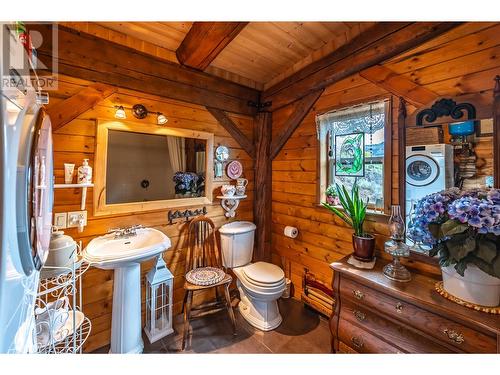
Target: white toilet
(260, 284)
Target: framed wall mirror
(143, 167)
(449, 144)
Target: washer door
(35, 194)
(421, 170)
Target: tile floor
(302, 331)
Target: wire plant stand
(64, 328)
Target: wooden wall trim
(85, 99)
(370, 48)
(263, 181)
(205, 40)
(91, 58)
(400, 86)
(302, 108)
(233, 129)
(402, 153)
(496, 132)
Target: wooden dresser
(376, 315)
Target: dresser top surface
(420, 290)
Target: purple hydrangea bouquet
(188, 182)
(463, 228)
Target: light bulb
(161, 119)
(120, 113)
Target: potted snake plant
(353, 213)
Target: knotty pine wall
(461, 63)
(76, 141)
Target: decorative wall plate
(221, 153)
(205, 276)
(234, 169)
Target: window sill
(373, 216)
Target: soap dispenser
(85, 173)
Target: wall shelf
(230, 203)
(82, 186)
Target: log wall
(76, 141)
(462, 63)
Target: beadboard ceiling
(261, 55)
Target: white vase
(475, 286)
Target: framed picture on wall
(350, 155)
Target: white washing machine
(26, 198)
(429, 169)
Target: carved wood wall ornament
(446, 107)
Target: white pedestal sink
(125, 255)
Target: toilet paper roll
(291, 232)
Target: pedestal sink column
(126, 321)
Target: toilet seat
(263, 273)
(261, 278)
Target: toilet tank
(237, 243)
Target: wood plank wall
(76, 141)
(460, 63)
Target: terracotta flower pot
(364, 247)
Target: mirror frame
(403, 125)
(101, 208)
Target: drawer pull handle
(359, 315)
(399, 308)
(358, 294)
(454, 335)
(357, 342)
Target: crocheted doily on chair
(205, 276)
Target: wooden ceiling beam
(400, 86)
(228, 124)
(91, 58)
(379, 43)
(72, 107)
(302, 108)
(205, 40)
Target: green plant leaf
(486, 250)
(452, 227)
(481, 264)
(461, 266)
(339, 213)
(460, 245)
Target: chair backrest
(202, 245)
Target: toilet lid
(264, 273)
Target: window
(353, 148)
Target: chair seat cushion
(205, 276)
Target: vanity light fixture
(140, 112)
(120, 112)
(161, 119)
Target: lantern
(159, 292)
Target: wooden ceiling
(259, 56)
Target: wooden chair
(204, 252)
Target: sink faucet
(125, 232)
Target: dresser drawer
(397, 334)
(362, 341)
(447, 331)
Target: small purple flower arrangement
(462, 226)
(188, 182)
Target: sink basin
(125, 255)
(107, 252)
